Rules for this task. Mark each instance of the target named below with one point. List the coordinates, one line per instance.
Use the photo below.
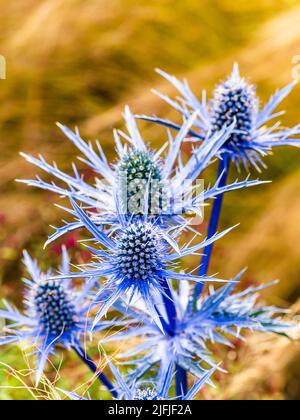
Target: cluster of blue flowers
(135, 213)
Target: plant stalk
(223, 171)
(92, 366)
(181, 374)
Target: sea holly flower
(158, 389)
(137, 259)
(147, 181)
(55, 314)
(219, 316)
(234, 99)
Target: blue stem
(170, 307)
(100, 375)
(181, 374)
(181, 382)
(213, 223)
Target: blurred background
(79, 62)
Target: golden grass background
(79, 62)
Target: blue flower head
(53, 307)
(139, 252)
(148, 182)
(234, 100)
(55, 313)
(137, 172)
(219, 316)
(138, 259)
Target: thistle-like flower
(159, 389)
(137, 259)
(146, 181)
(54, 313)
(219, 316)
(234, 99)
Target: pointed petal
(120, 381)
(99, 235)
(198, 385)
(121, 289)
